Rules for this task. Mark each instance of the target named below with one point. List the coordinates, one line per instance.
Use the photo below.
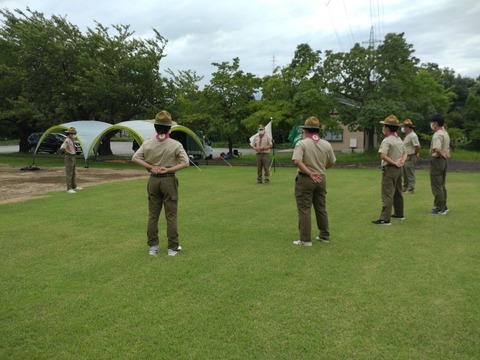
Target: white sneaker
(153, 250)
(303, 243)
(78, 188)
(71, 191)
(172, 252)
(322, 239)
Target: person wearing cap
(69, 149)
(412, 148)
(439, 152)
(312, 156)
(393, 156)
(162, 156)
(262, 144)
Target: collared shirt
(440, 140)
(410, 142)
(263, 141)
(393, 147)
(68, 146)
(314, 155)
(167, 153)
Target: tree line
(51, 72)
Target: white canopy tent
(91, 132)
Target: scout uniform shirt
(440, 140)
(263, 141)
(392, 146)
(410, 141)
(167, 152)
(69, 146)
(315, 154)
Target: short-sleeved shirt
(393, 147)
(314, 155)
(68, 146)
(167, 153)
(263, 141)
(410, 142)
(440, 140)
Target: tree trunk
(369, 139)
(24, 132)
(104, 147)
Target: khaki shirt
(440, 140)
(393, 147)
(68, 147)
(263, 142)
(314, 155)
(165, 153)
(410, 142)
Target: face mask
(261, 132)
(403, 130)
(432, 126)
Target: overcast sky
(265, 33)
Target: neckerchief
(261, 137)
(162, 137)
(314, 136)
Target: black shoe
(398, 217)
(381, 222)
(322, 239)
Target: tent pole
(194, 164)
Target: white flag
(268, 131)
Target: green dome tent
(91, 132)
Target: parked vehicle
(51, 144)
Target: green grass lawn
(76, 280)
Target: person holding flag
(312, 157)
(262, 143)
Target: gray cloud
(201, 32)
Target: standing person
(262, 144)
(393, 155)
(312, 156)
(69, 149)
(162, 157)
(439, 152)
(412, 148)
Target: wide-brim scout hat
(163, 118)
(391, 120)
(261, 127)
(71, 130)
(408, 123)
(311, 123)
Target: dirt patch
(17, 185)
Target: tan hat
(72, 130)
(391, 120)
(408, 123)
(261, 127)
(163, 118)
(311, 123)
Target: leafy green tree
(374, 83)
(229, 94)
(121, 74)
(472, 114)
(37, 65)
(52, 73)
(184, 99)
(293, 93)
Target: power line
(348, 21)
